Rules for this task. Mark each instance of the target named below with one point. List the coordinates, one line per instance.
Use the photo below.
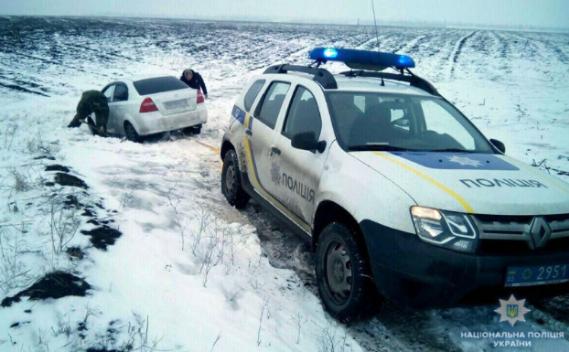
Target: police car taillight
(148, 105)
(200, 97)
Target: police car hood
(471, 182)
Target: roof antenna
(375, 24)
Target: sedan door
(109, 92)
(119, 107)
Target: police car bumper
(412, 272)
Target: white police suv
(396, 188)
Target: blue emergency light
(362, 59)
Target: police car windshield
(382, 121)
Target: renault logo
(539, 233)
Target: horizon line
(253, 19)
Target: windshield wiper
(376, 147)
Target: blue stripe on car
(461, 161)
(238, 114)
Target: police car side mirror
(308, 141)
(499, 145)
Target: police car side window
(252, 94)
(269, 109)
(303, 115)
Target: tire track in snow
(553, 50)
(21, 89)
(404, 43)
(455, 56)
(415, 44)
(438, 49)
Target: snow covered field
(169, 264)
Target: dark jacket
(92, 101)
(196, 82)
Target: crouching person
(194, 80)
(92, 101)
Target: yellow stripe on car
(467, 207)
(252, 173)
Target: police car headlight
(444, 228)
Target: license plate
(176, 104)
(537, 275)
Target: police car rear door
(298, 171)
(260, 131)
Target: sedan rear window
(158, 85)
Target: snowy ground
(188, 272)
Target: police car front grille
(559, 225)
(515, 248)
(503, 227)
(510, 234)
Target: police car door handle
(275, 151)
(248, 132)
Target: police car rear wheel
(342, 273)
(231, 181)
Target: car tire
(130, 132)
(197, 129)
(342, 274)
(231, 181)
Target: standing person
(92, 101)
(194, 80)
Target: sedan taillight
(148, 105)
(200, 97)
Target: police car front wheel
(231, 181)
(342, 274)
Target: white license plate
(176, 104)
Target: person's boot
(102, 131)
(76, 122)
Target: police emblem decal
(512, 310)
(464, 161)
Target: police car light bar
(363, 59)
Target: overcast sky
(510, 13)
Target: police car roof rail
(320, 75)
(410, 77)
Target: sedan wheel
(131, 133)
